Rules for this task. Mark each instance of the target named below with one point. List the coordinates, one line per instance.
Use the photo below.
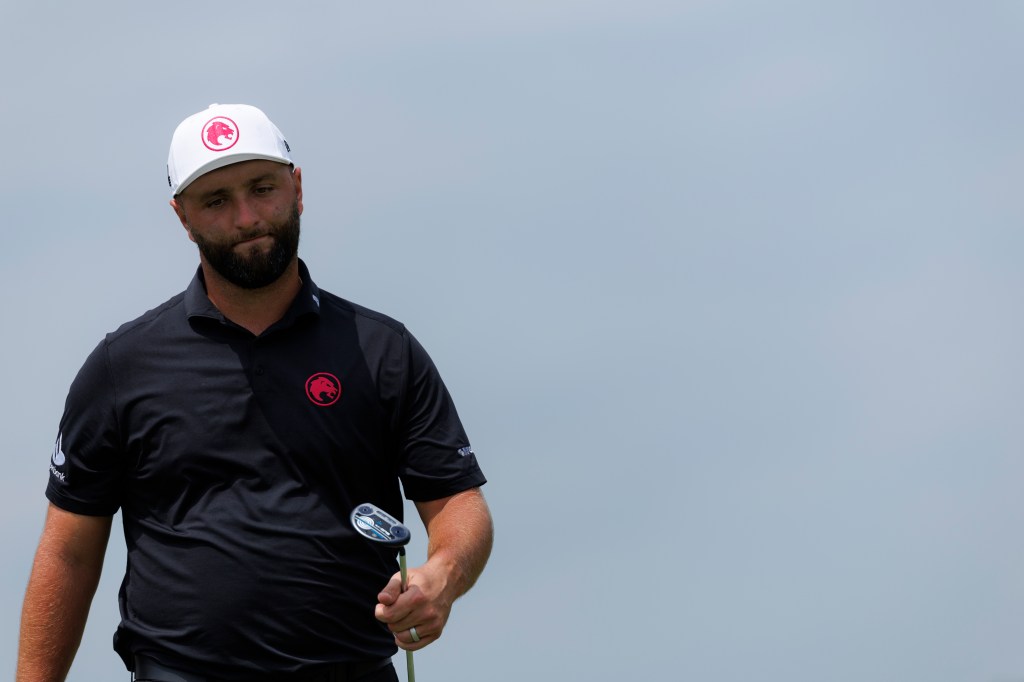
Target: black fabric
(236, 461)
(149, 670)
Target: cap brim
(226, 161)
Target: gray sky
(734, 284)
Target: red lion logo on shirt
(323, 389)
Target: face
(245, 220)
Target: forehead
(235, 175)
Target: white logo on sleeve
(58, 459)
(466, 451)
(58, 451)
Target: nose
(246, 215)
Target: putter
(375, 524)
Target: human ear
(297, 179)
(179, 210)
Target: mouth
(254, 241)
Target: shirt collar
(306, 302)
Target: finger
(389, 595)
(393, 614)
(426, 622)
(394, 605)
(404, 639)
(411, 608)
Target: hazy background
(727, 293)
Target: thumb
(389, 595)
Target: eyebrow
(220, 191)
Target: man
(236, 426)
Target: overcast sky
(727, 294)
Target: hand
(424, 605)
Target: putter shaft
(410, 669)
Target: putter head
(375, 524)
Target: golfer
(235, 427)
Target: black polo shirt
(236, 460)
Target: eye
(263, 189)
(215, 203)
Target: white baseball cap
(219, 136)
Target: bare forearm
(52, 619)
(64, 577)
(461, 535)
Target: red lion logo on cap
(323, 389)
(220, 133)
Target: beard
(254, 269)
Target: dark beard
(254, 270)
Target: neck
(253, 309)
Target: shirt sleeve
(438, 460)
(86, 465)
